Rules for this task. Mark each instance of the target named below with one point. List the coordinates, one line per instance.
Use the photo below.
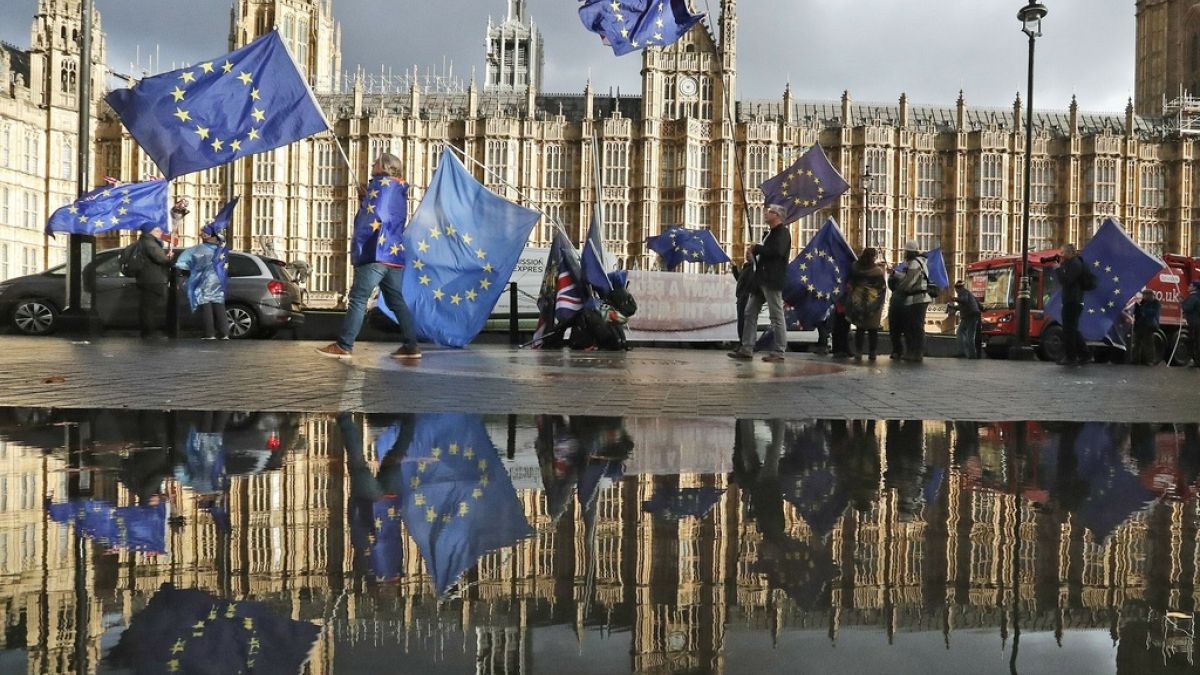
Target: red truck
(995, 283)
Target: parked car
(261, 298)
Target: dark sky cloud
(874, 48)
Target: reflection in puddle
(167, 542)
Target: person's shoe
(871, 357)
(740, 354)
(821, 351)
(206, 337)
(334, 351)
(895, 357)
(224, 337)
(774, 357)
(407, 352)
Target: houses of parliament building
(684, 151)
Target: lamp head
(1031, 16)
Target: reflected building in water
(791, 527)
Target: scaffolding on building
(387, 81)
(1183, 113)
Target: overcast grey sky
(874, 48)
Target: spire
(903, 109)
(846, 108)
(1129, 120)
(961, 112)
(1016, 114)
(1074, 110)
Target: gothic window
(669, 98)
(706, 99)
(1100, 181)
(1152, 237)
(302, 42)
(672, 166)
(264, 167)
(760, 164)
(616, 164)
(31, 210)
(552, 156)
(990, 176)
(5, 146)
(499, 164)
(807, 228)
(5, 197)
(322, 276)
(3, 277)
(1041, 233)
(146, 166)
(31, 153)
(1043, 182)
(930, 177)
(699, 166)
(1154, 187)
(991, 234)
(263, 216)
(616, 225)
(329, 165)
(928, 230)
(876, 159)
(67, 157)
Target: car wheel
(1052, 345)
(243, 322)
(35, 317)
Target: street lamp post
(868, 181)
(78, 315)
(1031, 24)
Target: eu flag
(137, 528)
(678, 503)
(592, 261)
(379, 224)
(1114, 491)
(806, 186)
(817, 277)
(936, 268)
(198, 281)
(376, 536)
(1121, 269)
(114, 207)
(679, 245)
(462, 245)
(629, 25)
(251, 100)
(561, 295)
(459, 502)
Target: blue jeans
(967, 328)
(367, 278)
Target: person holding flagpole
(378, 258)
(771, 262)
(206, 284)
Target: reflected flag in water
(376, 536)
(1121, 269)
(137, 528)
(114, 207)
(806, 186)
(1114, 491)
(817, 277)
(678, 245)
(629, 25)
(462, 245)
(192, 631)
(459, 502)
(679, 503)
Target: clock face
(687, 86)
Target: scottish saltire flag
(936, 268)
(114, 207)
(809, 184)
(462, 245)
(136, 528)
(595, 271)
(251, 100)
(679, 245)
(192, 631)
(379, 223)
(817, 277)
(458, 501)
(1121, 269)
(629, 25)
(561, 295)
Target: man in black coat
(1070, 278)
(152, 278)
(771, 260)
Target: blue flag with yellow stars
(806, 186)
(251, 100)
(459, 502)
(462, 245)
(679, 503)
(1114, 491)
(136, 528)
(200, 286)
(1121, 269)
(629, 25)
(817, 277)
(379, 223)
(591, 261)
(114, 207)
(193, 631)
(679, 245)
(376, 536)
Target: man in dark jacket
(771, 260)
(152, 278)
(967, 308)
(1070, 278)
(1191, 314)
(1145, 325)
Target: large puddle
(158, 542)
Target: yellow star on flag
(455, 299)
(424, 279)
(450, 231)
(178, 94)
(438, 294)
(235, 145)
(227, 66)
(487, 268)
(471, 294)
(376, 225)
(254, 94)
(245, 78)
(480, 253)
(253, 134)
(466, 239)
(182, 114)
(485, 284)
(217, 144)
(202, 132)
(258, 115)
(394, 249)
(422, 247)
(206, 67)
(187, 76)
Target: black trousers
(872, 335)
(216, 323)
(914, 330)
(841, 333)
(896, 327)
(152, 308)
(1073, 343)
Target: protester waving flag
(114, 207)
(461, 248)
(251, 100)
(809, 184)
(679, 245)
(629, 25)
(817, 277)
(561, 296)
(384, 208)
(1121, 269)
(201, 287)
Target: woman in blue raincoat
(207, 281)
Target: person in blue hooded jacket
(207, 282)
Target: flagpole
(729, 113)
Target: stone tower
(54, 53)
(307, 27)
(1168, 52)
(514, 52)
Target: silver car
(260, 300)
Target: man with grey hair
(1070, 273)
(771, 260)
(377, 254)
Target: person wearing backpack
(915, 289)
(1071, 273)
(1146, 315)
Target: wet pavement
(280, 375)
(150, 541)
